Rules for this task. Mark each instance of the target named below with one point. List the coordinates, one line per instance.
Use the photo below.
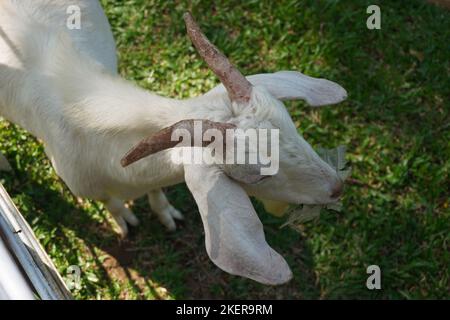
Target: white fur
(62, 86)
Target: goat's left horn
(238, 87)
(162, 140)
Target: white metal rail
(26, 271)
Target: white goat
(62, 86)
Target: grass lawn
(395, 125)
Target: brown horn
(162, 139)
(238, 87)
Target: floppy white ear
(234, 235)
(293, 85)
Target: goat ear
(234, 235)
(293, 85)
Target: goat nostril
(337, 190)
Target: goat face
(234, 235)
(302, 176)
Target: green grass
(395, 124)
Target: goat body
(62, 86)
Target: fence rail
(27, 271)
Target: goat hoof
(129, 217)
(123, 229)
(166, 216)
(132, 220)
(175, 213)
(167, 221)
(171, 226)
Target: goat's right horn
(238, 87)
(162, 140)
